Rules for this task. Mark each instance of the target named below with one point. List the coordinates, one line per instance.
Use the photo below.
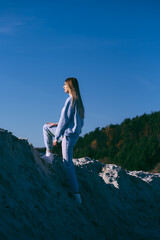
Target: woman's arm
(66, 114)
(52, 124)
(55, 143)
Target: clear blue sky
(112, 47)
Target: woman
(68, 129)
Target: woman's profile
(67, 129)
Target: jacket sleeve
(66, 114)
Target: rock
(36, 202)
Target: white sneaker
(48, 158)
(48, 154)
(77, 197)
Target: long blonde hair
(76, 96)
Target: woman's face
(66, 88)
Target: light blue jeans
(68, 144)
(48, 134)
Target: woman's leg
(48, 134)
(67, 152)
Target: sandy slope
(36, 203)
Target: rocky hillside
(36, 203)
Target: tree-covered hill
(134, 144)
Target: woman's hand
(52, 124)
(55, 143)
